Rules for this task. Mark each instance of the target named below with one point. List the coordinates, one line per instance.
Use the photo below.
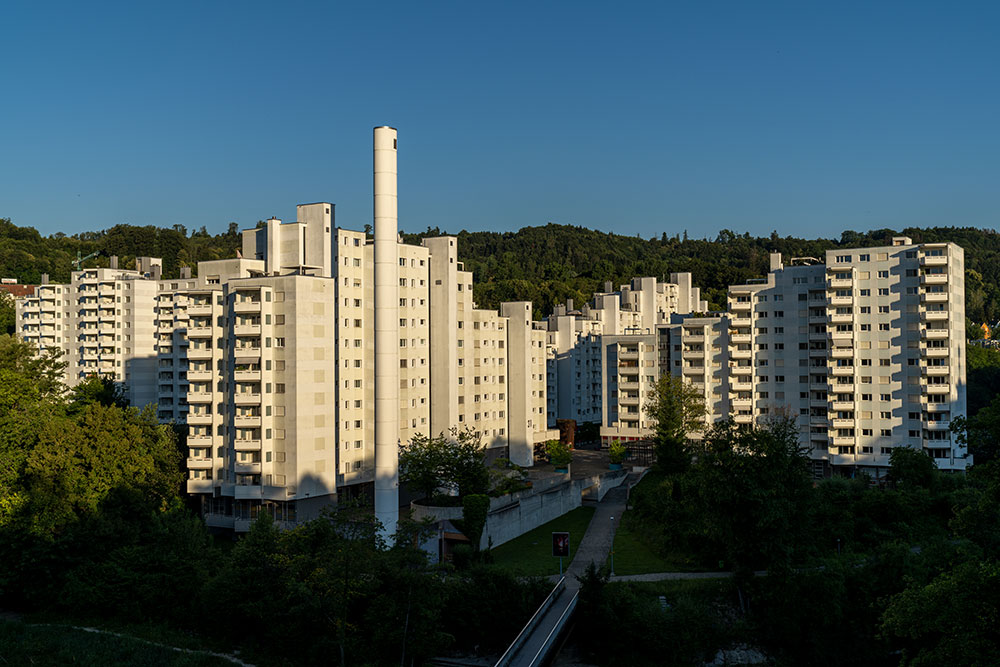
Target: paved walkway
(593, 548)
(596, 543)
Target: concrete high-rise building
(272, 359)
(865, 350)
(575, 342)
(300, 366)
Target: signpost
(560, 548)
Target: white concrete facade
(866, 351)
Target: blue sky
(801, 117)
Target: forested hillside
(542, 264)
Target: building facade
(865, 350)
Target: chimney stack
(113, 263)
(185, 272)
(386, 332)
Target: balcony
(741, 403)
(840, 388)
(693, 354)
(199, 309)
(933, 334)
(199, 419)
(246, 421)
(842, 423)
(199, 464)
(840, 300)
(743, 419)
(933, 315)
(740, 385)
(841, 318)
(741, 370)
(246, 329)
(740, 354)
(248, 492)
(246, 399)
(249, 376)
(628, 385)
(842, 352)
(247, 468)
(840, 335)
(247, 445)
(199, 486)
(840, 370)
(841, 441)
(199, 397)
(246, 352)
(940, 425)
(199, 441)
(740, 322)
(840, 406)
(246, 307)
(934, 279)
(199, 353)
(935, 371)
(739, 338)
(739, 305)
(694, 370)
(839, 283)
(219, 521)
(934, 297)
(200, 376)
(199, 332)
(934, 260)
(936, 388)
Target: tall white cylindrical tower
(386, 332)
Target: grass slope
(531, 553)
(25, 644)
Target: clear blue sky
(804, 117)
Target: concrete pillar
(386, 332)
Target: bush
(560, 454)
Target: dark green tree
(678, 410)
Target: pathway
(593, 548)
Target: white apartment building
(866, 350)
(576, 340)
(101, 323)
(269, 359)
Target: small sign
(560, 545)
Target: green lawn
(531, 553)
(26, 644)
(633, 556)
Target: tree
(456, 463)
(980, 433)
(475, 507)
(96, 389)
(678, 410)
(749, 490)
(911, 468)
(7, 314)
(950, 621)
